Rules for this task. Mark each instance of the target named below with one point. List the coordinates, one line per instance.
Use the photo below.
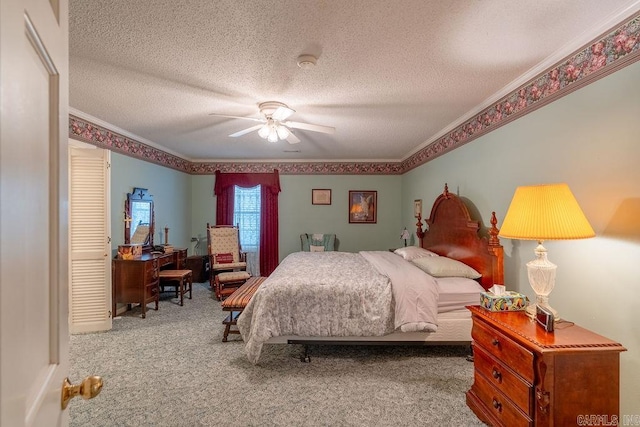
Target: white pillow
(313, 248)
(445, 267)
(412, 252)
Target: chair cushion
(233, 276)
(224, 240)
(224, 258)
(229, 266)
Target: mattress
(457, 292)
(454, 327)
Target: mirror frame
(139, 195)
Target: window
(246, 213)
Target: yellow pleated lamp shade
(545, 212)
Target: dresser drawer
(498, 405)
(151, 270)
(165, 260)
(152, 289)
(504, 379)
(505, 349)
(181, 259)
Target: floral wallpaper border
(616, 49)
(604, 56)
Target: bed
(380, 297)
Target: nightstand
(525, 376)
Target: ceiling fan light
(283, 132)
(264, 131)
(273, 135)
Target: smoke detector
(306, 61)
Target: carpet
(172, 369)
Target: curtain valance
(246, 180)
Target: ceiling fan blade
(246, 131)
(292, 139)
(282, 113)
(309, 126)
(238, 117)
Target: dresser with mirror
(136, 281)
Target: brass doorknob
(89, 388)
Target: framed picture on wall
(320, 196)
(417, 208)
(363, 207)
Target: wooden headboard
(451, 233)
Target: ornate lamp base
(542, 278)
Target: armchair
(228, 262)
(317, 242)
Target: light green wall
(297, 214)
(589, 139)
(203, 207)
(171, 192)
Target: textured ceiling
(391, 76)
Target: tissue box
(511, 301)
(133, 251)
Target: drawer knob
(496, 374)
(495, 342)
(497, 405)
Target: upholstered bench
(181, 279)
(236, 302)
(227, 282)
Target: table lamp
(405, 235)
(544, 212)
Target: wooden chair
(228, 262)
(181, 279)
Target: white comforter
(339, 294)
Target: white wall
(589, 139)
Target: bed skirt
(454, 328)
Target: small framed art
(320, 196)
(363, 207)
(417, 208)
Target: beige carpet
(172, 369)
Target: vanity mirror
(139, 218)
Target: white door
(89, 243)
(34, 337)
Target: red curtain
(270, 187)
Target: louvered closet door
(89, 272)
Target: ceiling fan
(274, 126)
